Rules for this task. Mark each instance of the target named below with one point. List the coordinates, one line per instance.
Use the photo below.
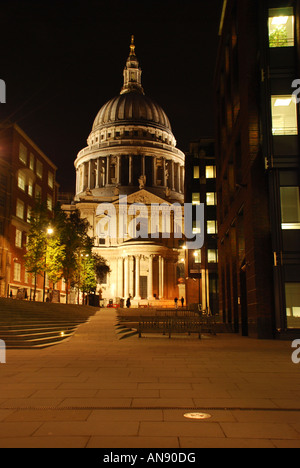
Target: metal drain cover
(197, 416)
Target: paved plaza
(97, 390)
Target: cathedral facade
(130, 168)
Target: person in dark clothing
(128, 303)
(176, 302)
(182, 301)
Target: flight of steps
(26, 325)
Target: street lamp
(197, 257)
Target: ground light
(197, 416)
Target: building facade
(26, 174)
(200, 187)
(257, 148)
(131, 160)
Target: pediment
(144, 197)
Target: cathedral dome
(132, 108)
(131, 112)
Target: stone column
(97, 174)
(137, 277)
(143, 165)
(150, 278)
(126, 278)
(130, 171)
(161, 276)
(173, 176)
(154, 170)
(107, 169)
(89, 174)
(120, 277)
(178, 178)
(77, 180)
(118, 167)
(84, 186)
(164, 173)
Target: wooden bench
(169, 324)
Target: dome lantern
(132, 73)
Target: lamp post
(197, 255)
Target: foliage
(279, 38)
(36, 246)
(66, 253)
(101, 268)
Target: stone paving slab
(98, 391)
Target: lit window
(30, 188)
(39, 169)
(21, 181)
(31, 163)
(196, 229)
(197, 256)
(49, 203)
(196, 172)
(292, 298)
(196, 198)
(23, 153)
(290, 207)
(210, 172)
(28, 214)
(211, 198)
(17, 272)
(26, 277)
(281, 27)
(212, 227)
(20, 209)
(284, 116)
(212, 256)
(18, 241)
(51, 179)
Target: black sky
(62, 60)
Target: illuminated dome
(131, 146)
(132, 108)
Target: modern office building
(200, 187)
(26, 174)
(257, 149)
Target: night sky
(63, 60)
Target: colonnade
(106, 171)
(129, 276)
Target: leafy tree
(101, 268)
(37, 242)
(55, 257)
(74, 236)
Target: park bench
(169, 325)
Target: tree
(74, 236)
(101, 268)
(37, 241)
(55, 256)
